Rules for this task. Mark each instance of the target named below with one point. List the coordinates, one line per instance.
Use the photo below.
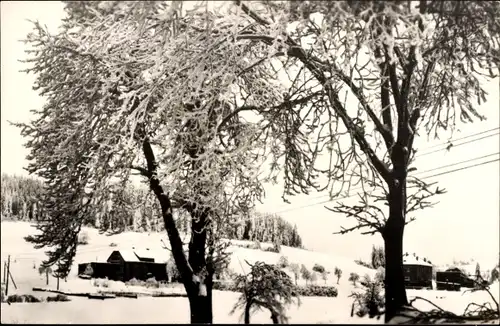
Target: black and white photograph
(250, 162)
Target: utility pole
(4, 271)
(12, 279)
(7, 277)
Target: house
(453, 279)
(124, 265)
(417, 271)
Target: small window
(407, 278)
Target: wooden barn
(124, 265)
(453, 279)
(417, 271)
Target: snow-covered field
(25, 261)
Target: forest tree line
(136, 210)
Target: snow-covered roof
(128, 255)
(144, 253)
(415, 260)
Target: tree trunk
(201, 308)
(395, 293)
(274, 318)
(198, 289)
(248, 306)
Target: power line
(460, 169)
(426, 177)
(457, 163)
(465, 137)
(456, 145)
(435, 151)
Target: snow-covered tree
(150, 89)
(386, 72)
(265, 287)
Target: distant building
(453, 279)
(417, 271)
(124, 265)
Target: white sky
(464, 225)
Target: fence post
(7, 277)
(12, 279)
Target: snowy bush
(318, 268)
(354, 277)
(83, 238)
(306, 274)
(269, 249)
(369, 300)
(283, 262)
(101, 282)
(134, 282)
(58, 298)
(338, 273)
(152, 283)
(22, 298)
(494, 275)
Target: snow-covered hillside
(100, 247)
(25, 261)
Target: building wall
(418, 275)
(116, 268)
(140, 271)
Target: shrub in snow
(152, 283)
(306, 274)
(362, 263)
(172, 271)
(277, 247)
(134, 282)
(324, 276)
(83, 238)
(58, 298)
(338, 273)
(22, 298)
(283, 262)
(271, 249)
(494, 275)
(316, 291)
(369, 300)
(225, 286)
(314, 277)
(112, 244)
(354, 277)
(305, 291)
(295, 268)
(380, 275)
(378, 257)
(318, 268)
(257, 245)
(101, 282)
